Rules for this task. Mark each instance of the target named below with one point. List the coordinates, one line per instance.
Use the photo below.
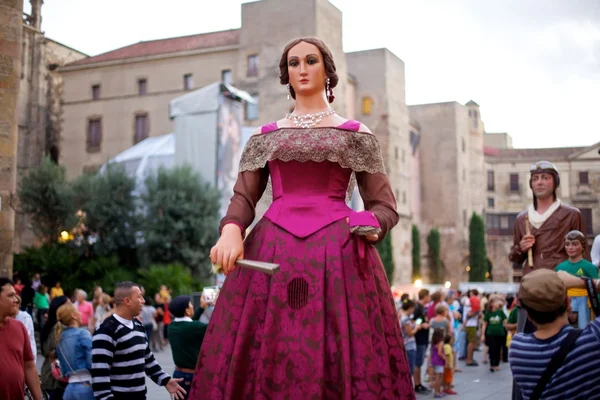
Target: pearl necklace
(309, 120)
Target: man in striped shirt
(543, 294)
(121, 356)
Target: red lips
(304, 81)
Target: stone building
(10, 58)
(507, 191)
(448, 156)
(39, 105)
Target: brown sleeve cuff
(378, 198)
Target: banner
(230, 147)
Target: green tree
(109, 205)
(181, 219)
(385, 251)
(478, 261)
(45, 195)
(433, 253)
(416, 253)
(176, 277)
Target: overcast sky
(533, 66)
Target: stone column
(11, 12)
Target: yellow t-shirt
(448, 354)
(55, 292)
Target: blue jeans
(462, 343)
(579, 304)
(78, 391)
(186, 383)
(411, 355)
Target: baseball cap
(542, 290)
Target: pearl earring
(288, 91)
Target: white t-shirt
(127, 322)
(473, 321)
(26, 320)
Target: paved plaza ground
(474, 383)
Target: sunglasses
(541, 165)
(574, 235)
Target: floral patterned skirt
(316, 330)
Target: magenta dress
(325, 326)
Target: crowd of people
(440, 329)
(80, 340)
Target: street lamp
(418, 283)
(447, 284)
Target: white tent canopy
(145, 158)
(194, 142)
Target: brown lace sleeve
(378, 198)
(247, 191)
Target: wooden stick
(530, 251)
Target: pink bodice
(307, 196)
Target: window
(403, 197)
(584, 178)
(514, 182)
(491, 202)
(141, 128)
(475, 120)
(465, 218)
(464, 173)
(366, 105)
(491, 185)
(500, 224)
(403, 155)
(142, 86)
(188, 82)
(397, 194)
(226, 76)
(414, 139)
(396, 152)
(252, 65)
(586, 215)
(463, 145)
(94, 135)
(95, 92)
(252, 110)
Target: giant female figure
(325, 326)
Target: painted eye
(293, 63)
(312, 61)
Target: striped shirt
(120, 360)
(578, 378)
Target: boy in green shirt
(185, 337)
(576, 265)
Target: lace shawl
(355, 150)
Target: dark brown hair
(328, 62)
